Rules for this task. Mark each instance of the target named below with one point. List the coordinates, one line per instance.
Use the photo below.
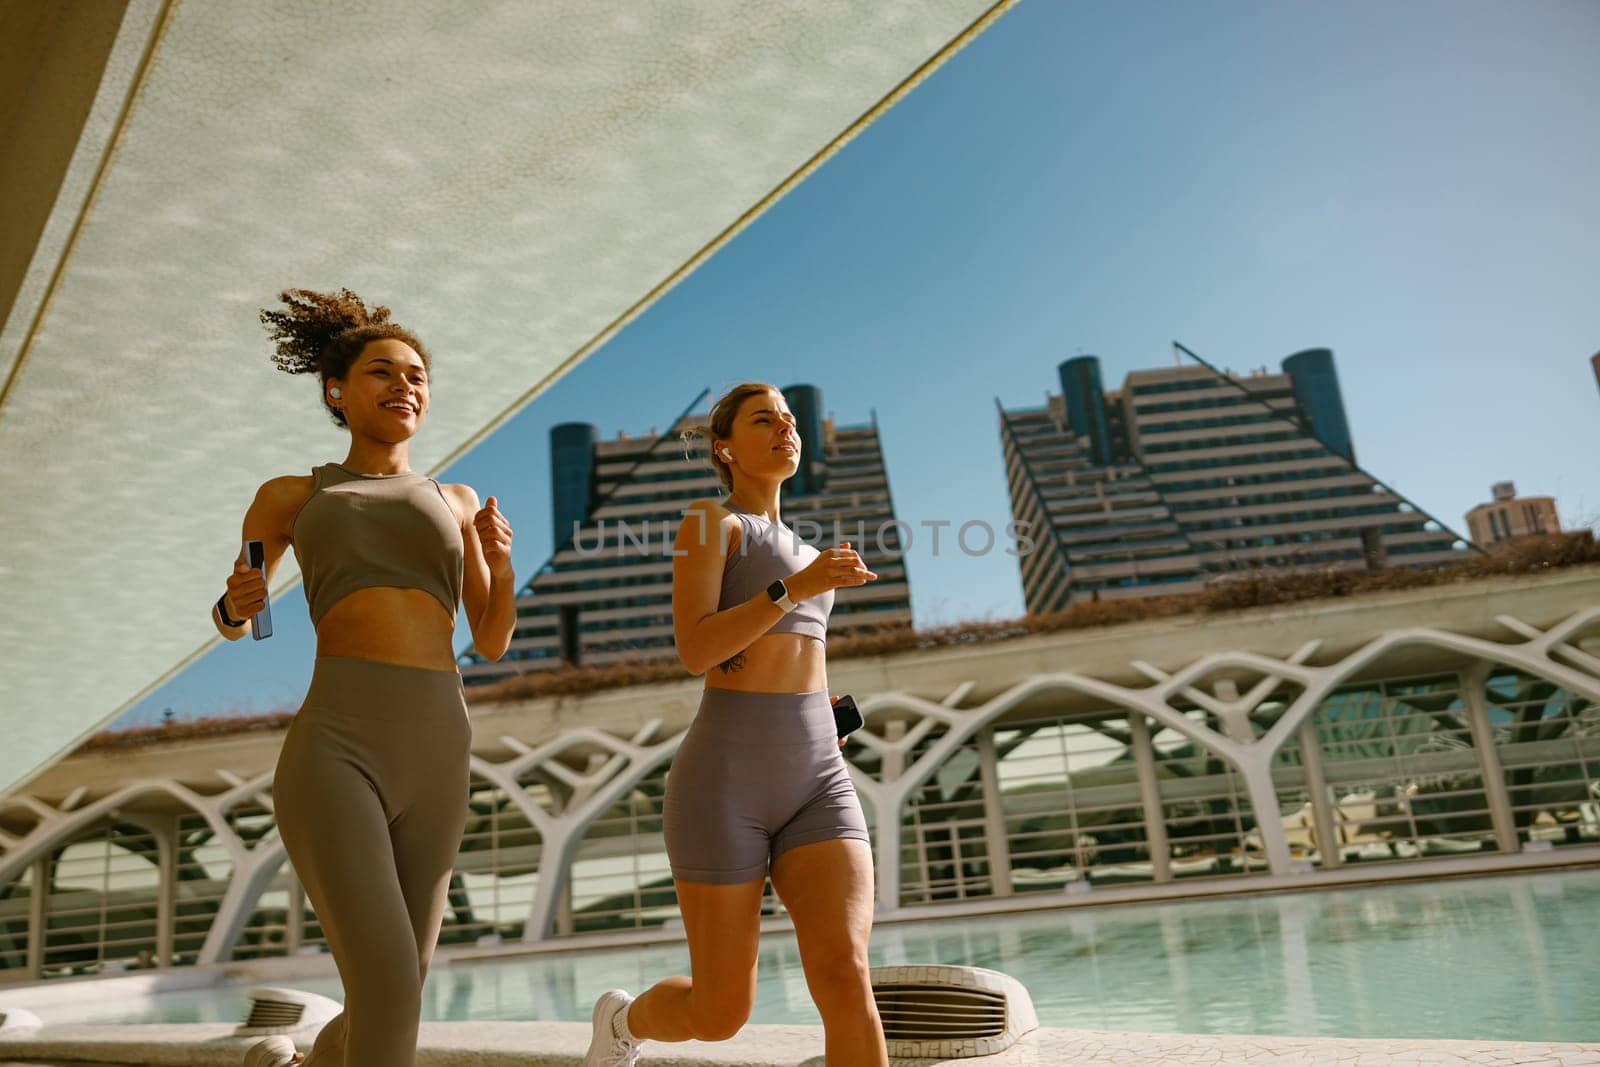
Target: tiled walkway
(562, 1045)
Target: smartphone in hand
(261, 622)
(846, 716)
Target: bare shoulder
(462, 498)
(706, 514)
(708, 506)
(276, 503)
(285, 494)
(708, 510)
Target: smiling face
(385, 393)
(763, 439)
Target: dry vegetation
(1529, 555)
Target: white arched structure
(1548, 654)
(908, 740)
(593, 790)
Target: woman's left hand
(846, 737)
(494, 534)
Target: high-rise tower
(605, 595)
(1187, 473)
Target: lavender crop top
(769, 550)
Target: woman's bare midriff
(406, 627)
(776, 663)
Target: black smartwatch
(780, 595)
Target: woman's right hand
(833, 567)
(247, 592)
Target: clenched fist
(247, 592)
(494, 534)
(832, 569)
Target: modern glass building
(1185, 474)
(605, 595)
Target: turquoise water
(1507, 958)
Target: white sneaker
(607, 1048)
(271, 1052)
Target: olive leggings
(371, 798)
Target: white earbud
(727, 456)
(334, 392)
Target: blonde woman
(758, 785)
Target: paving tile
(562, 1045)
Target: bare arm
(267, 520)
(488, 590)
(705, 636)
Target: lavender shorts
(756, 775)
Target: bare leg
(723, 926)
(827, 887)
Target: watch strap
(780, 595)
(222, 613)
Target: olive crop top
(359, 530)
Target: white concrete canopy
(516, 180)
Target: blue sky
(1411, 185)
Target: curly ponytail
(324, 333)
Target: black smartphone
(261, 622)
(846, 716)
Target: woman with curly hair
(370, 792)
(758, 785)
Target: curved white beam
(628, 760)
(517, 190)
